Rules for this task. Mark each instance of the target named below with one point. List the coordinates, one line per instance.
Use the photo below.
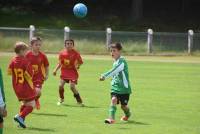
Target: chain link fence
(97, 42)
(8, 37)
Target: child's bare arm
(47, 73)
(56, 69)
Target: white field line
(172, 59)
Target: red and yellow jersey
(22, 74)
(69, 61)
(39, 63)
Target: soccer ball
(80, 10)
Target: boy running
(40, 65)
(120, 85)
(69, 62)
(22, 75)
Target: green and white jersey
(2, 96)
(120, 78)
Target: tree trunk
(136, 10)
(185, 5)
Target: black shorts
(1, 119)
(122, 98)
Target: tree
(136, 9)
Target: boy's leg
(28, 108)
(61, 91)
(37, 102)
(1, 125)
(76, 93)
(124, 106)
(112, 110)
(22, 108)
(127, 112)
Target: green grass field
(165, 99)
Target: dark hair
(20, 46)
(69, 40)
(34, 39)
(117, 45)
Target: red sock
(22, 108)
(27, 110)
(61, 92)
(37, 103)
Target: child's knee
(61, 84)
(38, 91)
(114, 100)
(29, 103)
(72, 86)
(61, 87)
(124, 107)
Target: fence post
(66, 33)
(31, 32)
(190, 40)
(108, 37)
(149, 41)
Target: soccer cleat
(37, 104)
(125, 118)
(60, 102)
(20, 120)
(109, 121)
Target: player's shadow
(85, 106)
(41, 129)
(135, 122)
(50, 114)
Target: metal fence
(97, 42)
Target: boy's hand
(102, 78)
(54, 73)
(3, 112)
(46, 77)
(77, 67)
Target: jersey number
(19, 75)
(66, 62)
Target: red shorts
(70, 81)
(25, 93)
(28, 96)
(29, 99)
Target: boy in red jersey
(40, 66)
(69, 62)
(22, 74)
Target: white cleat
(60, 102)
(81, 104)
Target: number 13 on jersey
(19, 75)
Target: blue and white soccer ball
(80, 10)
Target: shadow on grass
(134, 122)
(131, 122)
(49, 114)
(124, 128)
(67, 105)
(40, 129)
(137, 122)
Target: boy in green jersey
(120, 85)
(3, 111)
